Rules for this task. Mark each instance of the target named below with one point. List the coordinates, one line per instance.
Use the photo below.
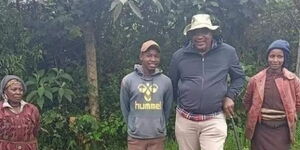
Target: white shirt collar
(6, 104)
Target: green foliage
(55, 133)
(11, 64)
(51, 85)
(39, 36)
(278, 20)
(171, 144)
(89, 131)
(17, 53)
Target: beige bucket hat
(200, 21)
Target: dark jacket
(146, 103)
(200, 81)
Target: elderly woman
(19, 120)
(272, 101)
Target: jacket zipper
(202, 71)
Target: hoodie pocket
(131, 124)
(147, 127)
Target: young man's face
(202, 39)
(150, 60)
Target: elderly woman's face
(14, 92)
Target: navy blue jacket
(200, 82)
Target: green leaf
(49, 95)
(41, 73)
(30, 96)
(55, 70)
(123, 1)
(40, 102)
(60, 93)
(69, 92)
(135, 9)
(67, 76)
(54, 89)
(215, 4)
(51, 79)
(158, 4)
(30, 82)
(68, 97)
(41, 91)
(114, 4)
(51, 74)
(75, 32)
(43, 80)
(117, 11)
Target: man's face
(150, 60)
(276, 59)
(202, 39)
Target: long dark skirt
(266, 138)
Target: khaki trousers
(201, 135)
(145, 144)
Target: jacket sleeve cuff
(231, 95)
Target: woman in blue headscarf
(272, 101)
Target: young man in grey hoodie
(146, 98)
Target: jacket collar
(7, 105)
(261, 78)
(139, 70)
(286, 73)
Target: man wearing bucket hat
(199, 74)
(146, 98)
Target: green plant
(11, 64)
(55, 84)
(55, 133)
(91, 132)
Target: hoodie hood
(139, 70)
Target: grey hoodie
(146, 103)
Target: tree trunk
(298, 56)
(91, 65)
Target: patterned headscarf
(8, 80)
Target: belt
(272, 114)
(196, 117)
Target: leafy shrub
(91, 132)
(51, 85)
(55, 133)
